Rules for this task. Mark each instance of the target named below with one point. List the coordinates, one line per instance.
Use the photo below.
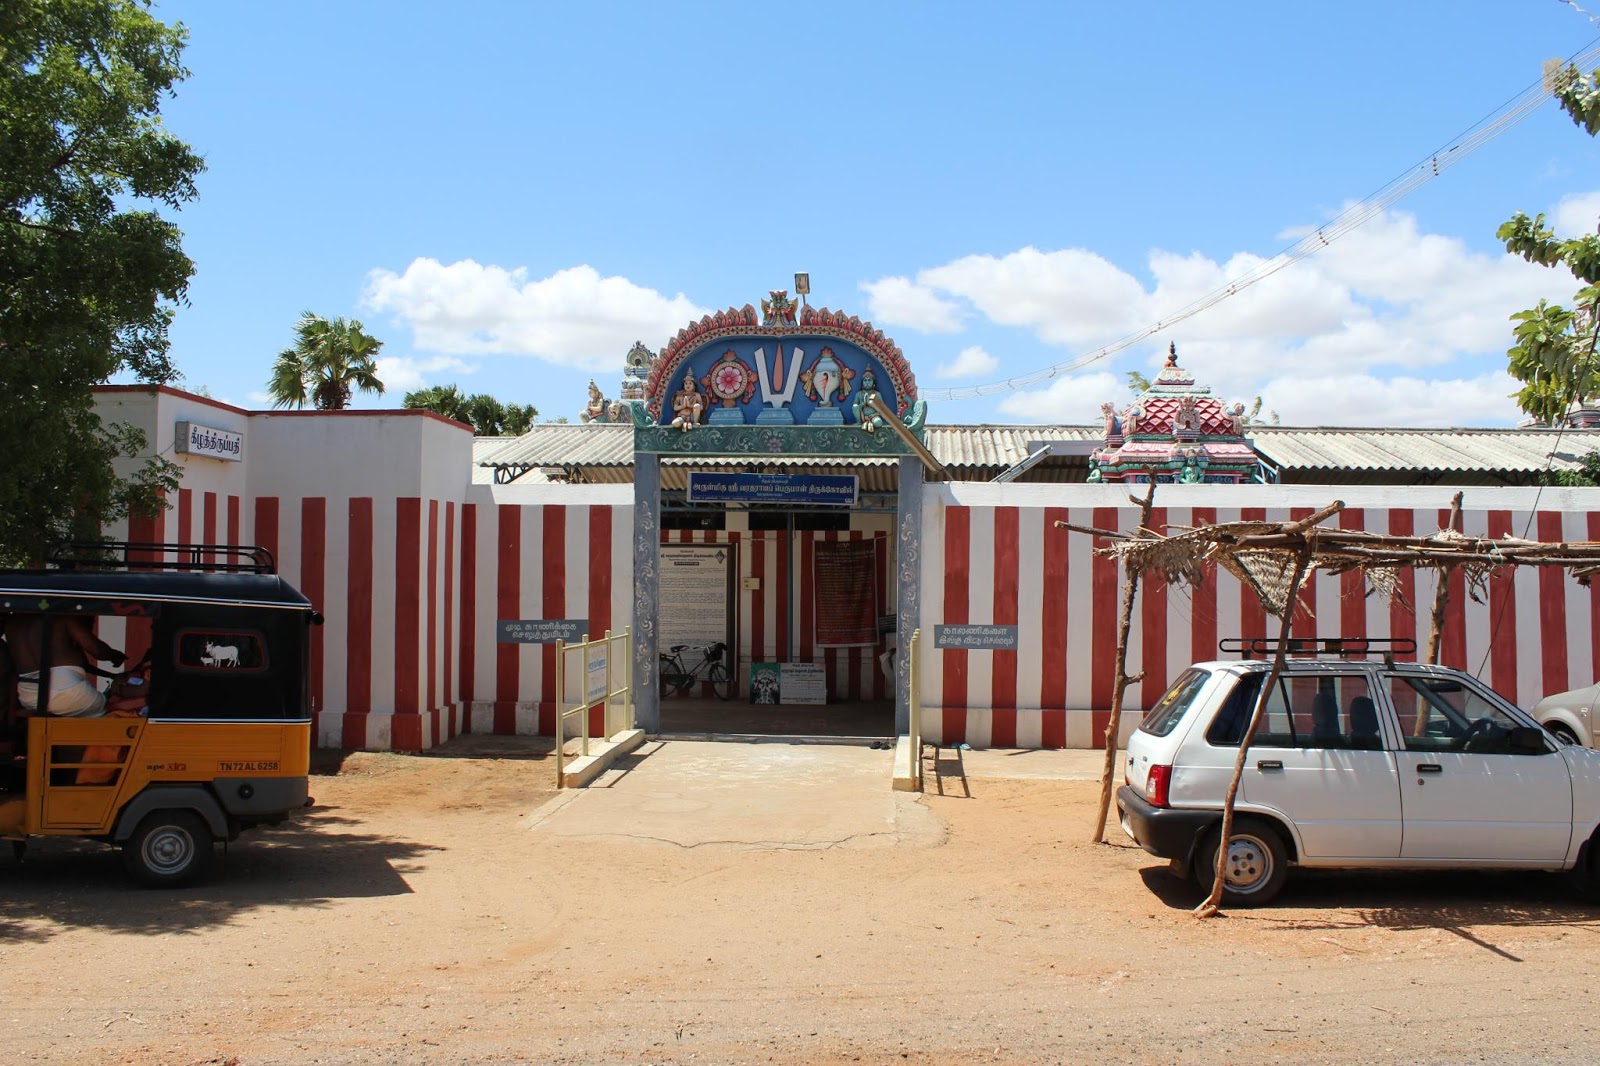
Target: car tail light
(1157, 784)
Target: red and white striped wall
(537, 552)
(992, 554)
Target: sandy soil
(413, 918)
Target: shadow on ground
(312, 863)
(329, 762)
(1450, 901)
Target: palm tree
(446, 400)
(329, 357)
(487, 416)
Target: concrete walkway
(767, 795)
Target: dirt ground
(412, 917)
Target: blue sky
(510, 194)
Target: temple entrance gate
(754, 417)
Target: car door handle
(1429, 768)
(1269, 764)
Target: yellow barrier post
(583, 696)
(914, 696)
(561, 779)
(606, 716)
(628, 676)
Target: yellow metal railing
(914, 701)
(613, 648)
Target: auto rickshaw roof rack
(1342, 647)
(156, 555)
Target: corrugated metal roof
(604, 453)
(564, 444)
(1521, 451)
(997, 446)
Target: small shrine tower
(1178, 432)
(635, 366)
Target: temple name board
(976, 637)
(712, 487)
(540, 630)
(191, 438)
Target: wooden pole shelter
(1441, 594)
(1130, 593)
(1273, 559)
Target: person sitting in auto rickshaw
(73, 648)
(129, 694)
(74, 651)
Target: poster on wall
(694, 595)
(774, 683)
(845, 607)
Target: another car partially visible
(1569, 714)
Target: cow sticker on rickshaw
(221, 650)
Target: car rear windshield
(1164, 717)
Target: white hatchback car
(1570, 715)
(1356, 764)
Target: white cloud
(1072, 400)
(401, 374)
(573, 318)
(902, 302)
(1363, 400)
(1577, 214)
(969, 363)
(1066, 297)
(1392, 324)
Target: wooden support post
(1130, 591)
(1212, 904)
(1441, 595)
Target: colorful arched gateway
(791, 386)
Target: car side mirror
(1528, 740)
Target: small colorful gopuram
(1178, 432)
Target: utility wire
(1509, 114)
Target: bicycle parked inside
(676, 678)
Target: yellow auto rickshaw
(217, 741)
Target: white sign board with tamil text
(694, 595)
(191, 438)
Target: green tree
(329, 357)
(487, 416)
(89, 270)
(1554, 352)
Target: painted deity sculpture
(1113, 423)
(865, 413)
(1188, 420)
(688, 403)
(595, 409)
(1236, 419)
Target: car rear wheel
(1564, 733)
(1257, 863)
(169, 849)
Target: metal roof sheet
(1479, 450)
(997, 446)
(604, 451)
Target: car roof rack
(1312, 647)
(156, 555)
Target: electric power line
(1485, 130)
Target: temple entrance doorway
(808, 597)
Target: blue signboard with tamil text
(715, 487)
